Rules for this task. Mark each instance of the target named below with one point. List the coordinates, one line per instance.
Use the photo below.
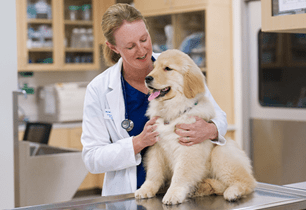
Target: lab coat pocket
(108, 114)
(111, 126)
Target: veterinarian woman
(116, 132)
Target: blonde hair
(112, 19)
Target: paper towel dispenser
(61, 102)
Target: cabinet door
(36, 37)
(75, 138)
(184, 31)
(45, 42)
(189, 30)
(80, 49)
(59, 137)
(91, 181)
(161, 41)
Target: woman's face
(133, 43)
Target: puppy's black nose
(149, 79)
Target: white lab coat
(107, 147)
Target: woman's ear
(112, 47)
(193, 83)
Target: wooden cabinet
(186, 28)
(45, 43)
(161, 7)
(275, 20)
(212, 18)
(71, 138)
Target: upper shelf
(79, 22)
(40, 21)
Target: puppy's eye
(167, 69)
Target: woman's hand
(147, 137)
(197, 132)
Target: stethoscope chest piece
(128, 125)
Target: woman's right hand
(148, 137)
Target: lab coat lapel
(115, 99)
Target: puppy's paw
(233, 193)
(174, 197)
(145, 192)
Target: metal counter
(266, 196)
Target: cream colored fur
(198, 170)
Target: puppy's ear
(193, 83)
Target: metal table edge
(116, 198)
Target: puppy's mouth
(158, 93)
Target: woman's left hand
(196, 132)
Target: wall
(8, 83)
(241, 76)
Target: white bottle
(42, 9)
(74, 38)
(86, 12)
(83, 38)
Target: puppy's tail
(209, 187)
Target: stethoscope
(127, 124)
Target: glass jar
(86, 12)
(73, 12)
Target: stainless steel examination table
(266, 196)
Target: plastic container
(31, 11)
(86, 12)
(73, 12)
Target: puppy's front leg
(183, 179)
(156, 173)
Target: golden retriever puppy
(177, 95)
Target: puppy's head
(174, 73)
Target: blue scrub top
(137, 104)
